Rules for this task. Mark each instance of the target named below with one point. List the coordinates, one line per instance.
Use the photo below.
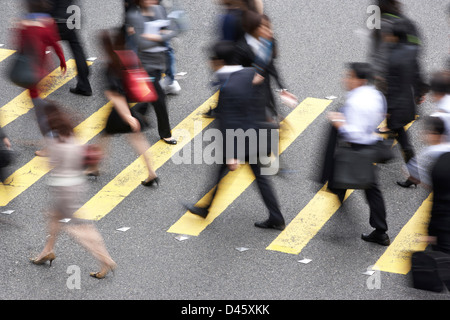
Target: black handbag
(353, 168)
(430, 270)
(24, 72)
(6, 157)
(383, 151)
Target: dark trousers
(376, 203)
(403, 140)
(160, 107)
(71, 36)
(374, 196)
(265, 189)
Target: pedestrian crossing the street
(299, 231)
(37, 167)
(238, 181)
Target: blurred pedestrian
(152, 31)
(431, 170)
(168, 83)
(439, 224)
(363, 110)
(440, 91)
(35, 33)
(405, 87)
(5, 154)
(237, 106)
(68, 32)
(391, 11)
(122, 119)
(67, 183)
(258, 49)
(419, 167)
(130, 39)
(440, 96)
(230, 21)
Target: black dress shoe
(270, 225)
(199, 211)
(171, 141)
(81, 92)
(377, 237)
(151, 183)
(408, 183)
(377, 130)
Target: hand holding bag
(136, 81)
(383, 151)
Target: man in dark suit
(238, 106)
(67, 32)
(404, 84)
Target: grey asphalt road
(316, 38)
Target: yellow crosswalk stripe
(307, 223)
(397, 257)
(236, 182)
(130, 178)
(5, 53)
(22, 104)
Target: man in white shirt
(363, 111)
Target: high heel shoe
(408, 183)
(150, 183)
(102, 274)
(49, 257)
(92, 173)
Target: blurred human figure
(5, 154)
(362, 112)
(440, 96)
(128, 31)
(430, 168)
(168, 83)
(230, 21)
(67, 183)
(237, 106)
(439, 224)
(258, 49)
(419, 167)
(405, 87)
(59, 11)
(122, 119)
(391, 11)
(36, 32)
(152, 30)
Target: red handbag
(137, 83)
(93, 155)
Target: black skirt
(115, 124)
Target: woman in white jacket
(67, 183)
